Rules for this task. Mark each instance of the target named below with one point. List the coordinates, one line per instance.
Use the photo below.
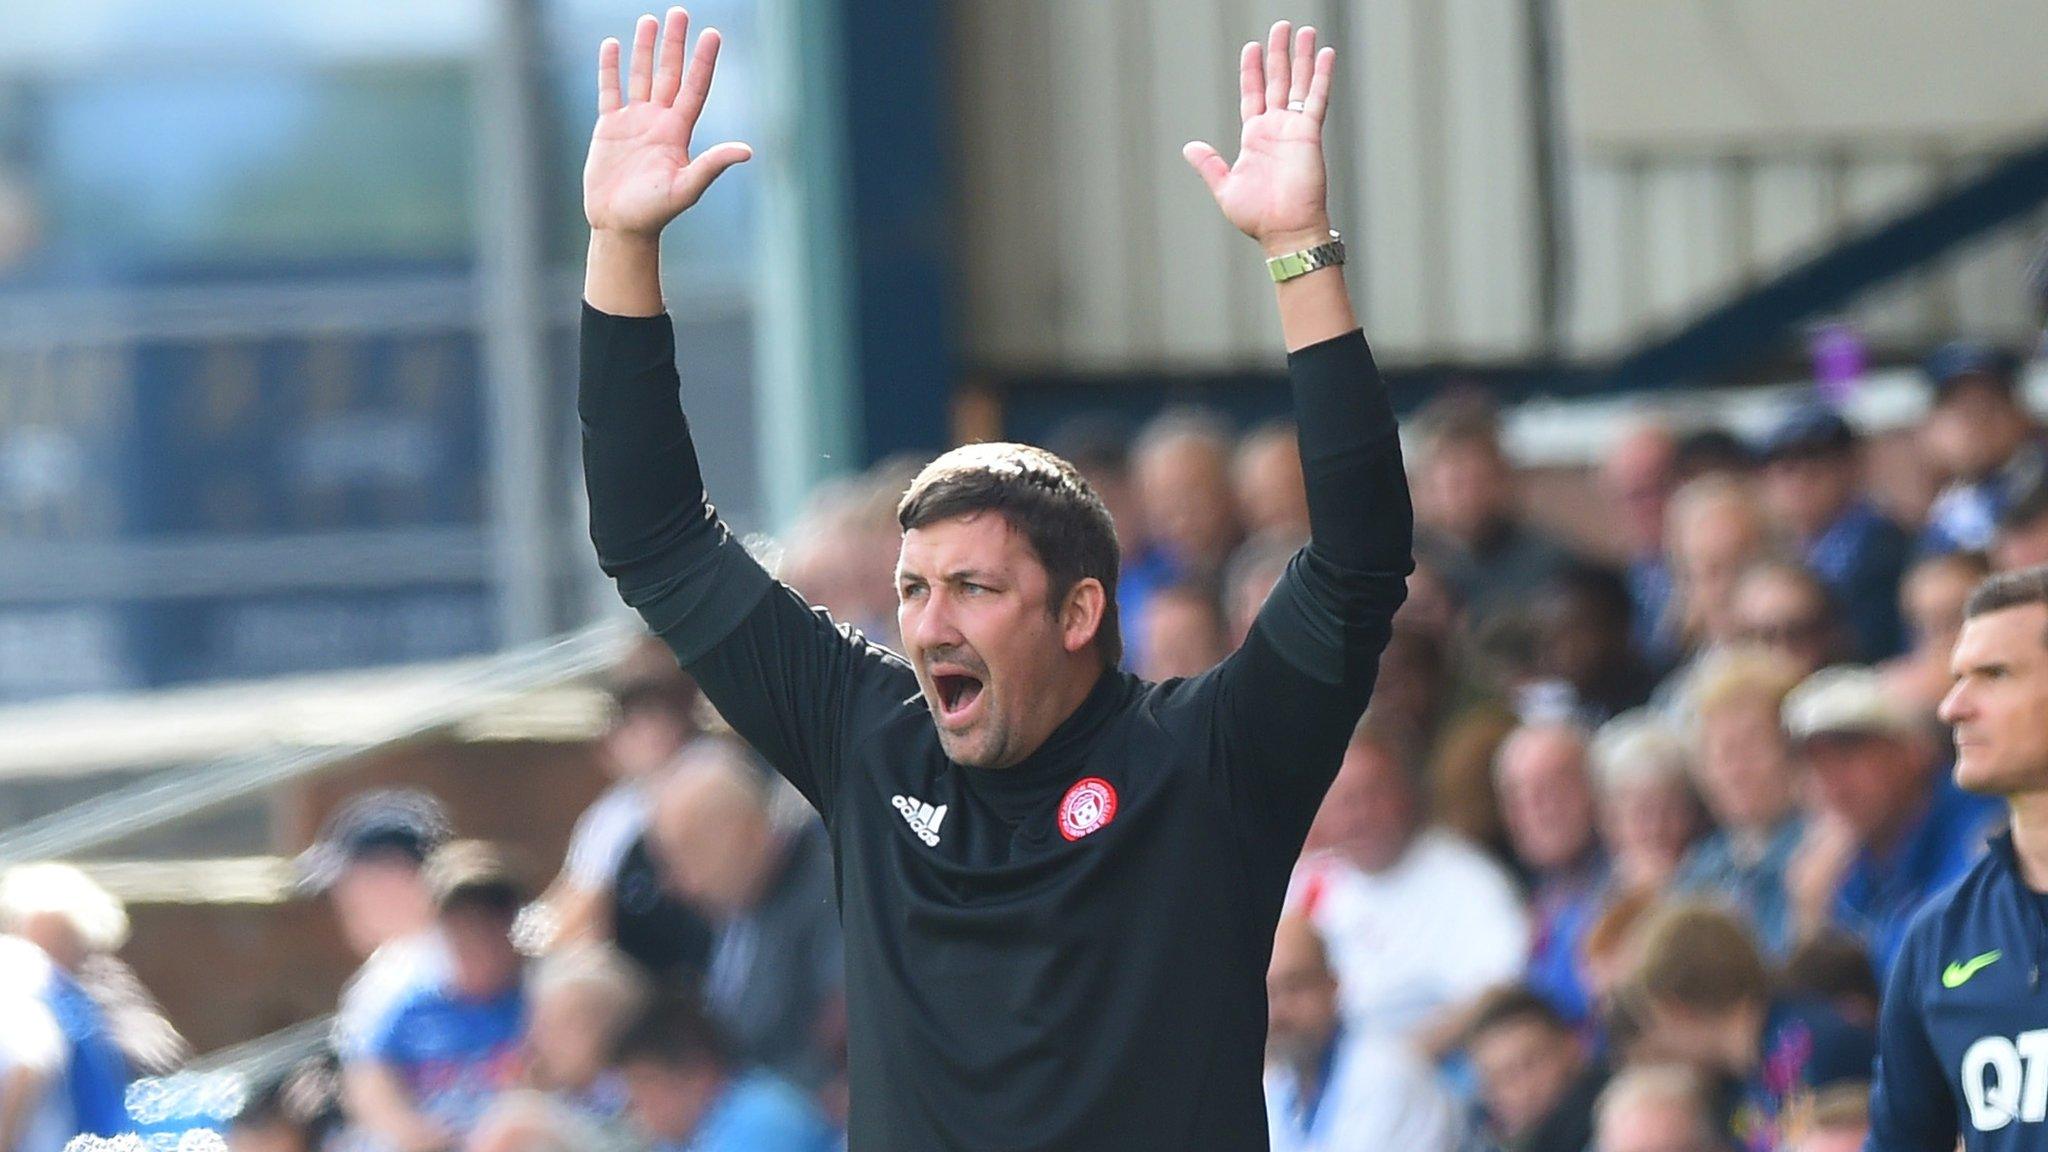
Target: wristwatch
(1328, 254)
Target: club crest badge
(1088, 806)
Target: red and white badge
(1087, 807)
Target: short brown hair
(2009, 590)
(1511, 1004)
(1046, 500)
(1700, 956)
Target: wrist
(1290, 240)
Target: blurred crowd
(1618, 859)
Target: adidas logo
(922, 818)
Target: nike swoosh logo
(1956, 975)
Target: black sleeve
(1912, 1108)
(779, 672)
(1289, 697)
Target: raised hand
(640, 174)
(1277, 191)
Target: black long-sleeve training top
(1066, 955)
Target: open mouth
(957, 693)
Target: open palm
(640, 174)
(1277, 191)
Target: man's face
(1871, 781)
(1370, 811)
(1183, 635)
(1807, 493)
(1710, 553)
(1468, 488)
(1301, 1001)
(1773, 610)
(644, 738)
(1638, 480)
(1745, 765)
(567, 1032)
(1184, 486)
(1270, 493)
(1999, 704)
(1546, 798)
(379, 899)
(990, 650)
(1524, 1068)
(1933, 599)
(480, 951)
(2023, 545)
(1974, 428)
(713, 849)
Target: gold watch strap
(1286, 267)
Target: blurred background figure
(580, 1000)
(1708, 998)
(1656, 1108)
(1980, 438)
(1415, 921)
(1181, 631)
(1649, 814)
(1751, 786)
(1931, 600)
(1547, 796)
(1890, 828)
(1838, 1120)
(688, 1091)
(1638, 477)
(451, 1044)
(1783, 606)
(1469, 526)
(758, 868)
(1717, 530)
(1182, 463)
(1265, 475)
(1583, 647)
(1814, 487)
(656, 706)
(1329, 1088)
(1537, 1080)
(292, 1112)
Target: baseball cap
(403, 822)
(1807, 431)
(465, 871)
(1843, 700)
(1961, 360)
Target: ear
(1081, 614)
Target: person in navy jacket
(1963, 1038)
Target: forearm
(1360, 518)
(1314, 307)
(622, 274)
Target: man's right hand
(640, 174)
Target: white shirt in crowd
(30, 1039)
(1379, 1095)
(604, 833)
(1442, 925)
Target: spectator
(1746, 775)
(1834, 967)
(580, 999)
(1546, 796)
(1716, 452)
(531, 1122)
(1099, 448)
(1582, 643)
(1981, 437)
(1266, 475)
(1468, 528)
(688, 1091)
(1649, 813)
(1537, 1081)
(1417, 921)
(1837, 1121)
(1813, 486)
(451, 1045)
(1638, 478)
(1706, 996)
(1181, 631)
(1932, 601)
(2021, 540)
(53, 920)
(1716, 532)
(1248, 579)
(656, 705)
(1608, 952)
(367, 861)
(1182, 463)
(1781, 605)
(36, 1112)
(1332, 1089)
(1655, 1108)
(1892, 828)
(762, 874)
